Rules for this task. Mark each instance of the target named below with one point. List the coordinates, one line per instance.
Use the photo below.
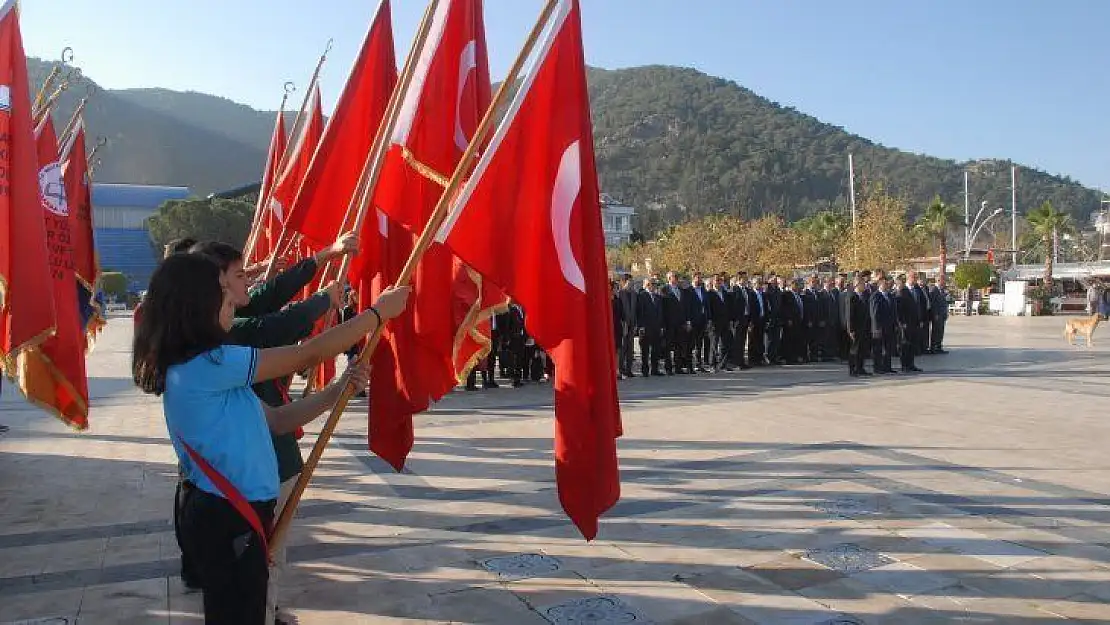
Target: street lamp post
(976, 226)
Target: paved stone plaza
(978, 492)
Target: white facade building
(616, 220)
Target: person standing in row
(859, 327)
(909, 320)
(649, 319)
(698, 313)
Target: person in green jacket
(263, 321)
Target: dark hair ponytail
(181, 319)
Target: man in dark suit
(938, 297)
(720, 323)
(698, 314)
(757, 324)
(857, 324)
(649, 320)
(883, 321)
(676, 327)
(629, 303)
(741, 319)
(772, 293)
(842, 307)
(812, 320)
(924, 312)
(618, 322)
(793, 319)
(909, 319)
(834, 326)
(512, 335)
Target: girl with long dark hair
(218, 426)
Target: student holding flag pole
(220, 428)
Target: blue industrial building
(120, 212)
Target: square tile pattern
(774, 496)
(848, 558)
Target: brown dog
(1086, 325)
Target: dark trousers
(856, 353)
(188, 569)
(229, 557)
(740, 354)
(936, 340)
(721, 346)
(774, 342)
(794, 343)
(699, 345)
(843, 343)
(627, 347)
(814, 347)
(922, 337)
(910, 343)
(674, 349)
(650, 344)
(882, 350)
(756, 336)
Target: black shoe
(517, 384)
(491, 384)
(913, 370)
(940, 351)
(471, 387)
(865, 374)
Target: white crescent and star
(568, 186)
(468, 62)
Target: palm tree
(936, 222)
(1047, 223)
(825, 230)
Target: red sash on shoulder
(232, 494)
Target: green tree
(223, 220)
(823, 232)
(936, 222)
(113, 283)
(977, 274)
(1047, 224)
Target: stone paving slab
(976, 492)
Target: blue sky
(1021, 79)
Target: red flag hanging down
(319, 207)
(301, 148)
(396, 388)
(26, 298)
(268, 230)
(86, 265)
(449, 93)
(52, 375)
(537, 181)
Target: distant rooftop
(135, 195)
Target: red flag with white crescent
(450, 307)
(26, 297)
(538, 182)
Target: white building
(616, 220)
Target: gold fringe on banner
(469, 328)
(36, 375)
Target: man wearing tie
(938, 297)
(698, 314)
(649, 317)
(675, 325)
(629, 302)
(757, 323)
(858, 327)
(772, 295)
(909, 319)
(720, 323)
(883, 320)
(793, 324)
(741, 318)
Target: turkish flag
(303, 146)
(267, 230)
(448, 95)
(537, 181)
(52, 375)
(26, 296)
(320, 206)
(397, 387)
(86, 266)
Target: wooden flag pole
(283, 164)
(40, 97)
(252, 238)
(285, 517)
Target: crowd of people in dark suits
(722, 322)
(728, 322)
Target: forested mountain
(673, 142)
(694, 145)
